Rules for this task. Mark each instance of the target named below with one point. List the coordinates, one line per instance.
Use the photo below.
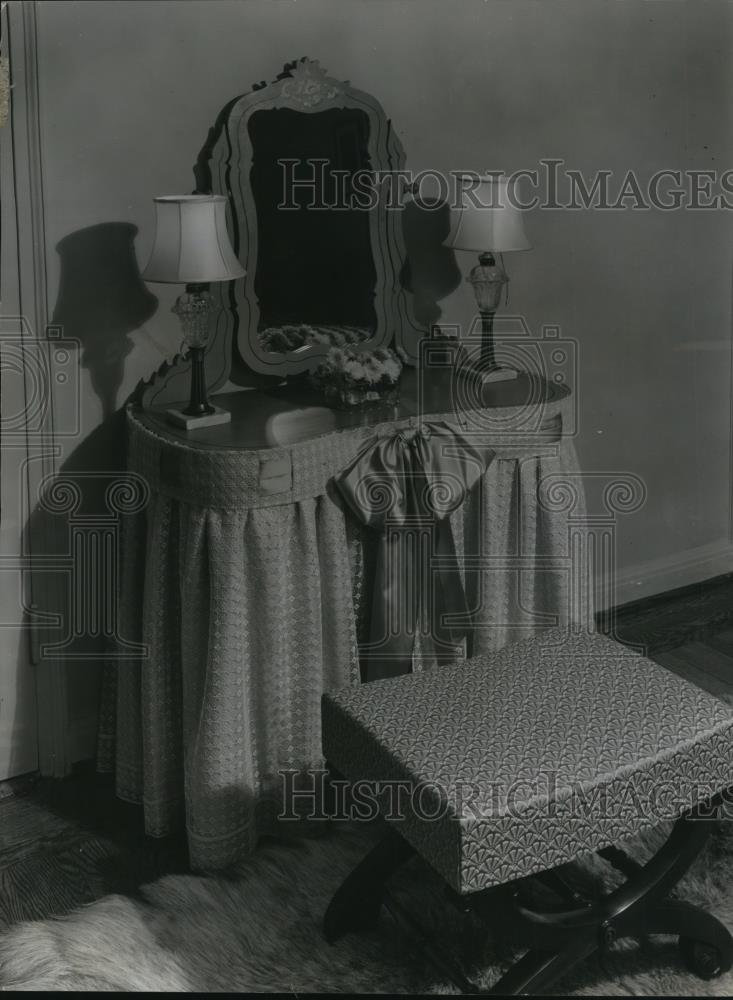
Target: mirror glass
(315, 266)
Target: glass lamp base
(194, 309)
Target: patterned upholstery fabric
(517, 762)
(251, 586)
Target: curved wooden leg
(559, 938)
(356, 904)
(537, 970)
(705, 943)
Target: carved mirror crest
(309, 166)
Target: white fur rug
(259, 931)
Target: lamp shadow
(102, 299)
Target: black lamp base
(488, 354)
(483, 365)
(199, 405)
(180, 418)
(199, 409)
(199, 412)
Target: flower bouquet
(349, 379)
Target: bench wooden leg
(559, 938)
(640, 907)
(705, 944)
(357, 903)
(537, 970)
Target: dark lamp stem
(194, 309)
(487, 356)
(198, 404)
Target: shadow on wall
(74, 533)
(430, 271)
(101, 300)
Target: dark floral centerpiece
(349, 379)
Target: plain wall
(129, 91)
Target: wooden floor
(69, 842)
(64, 843)
(680, 617)
(708, 664)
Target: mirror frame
(235, 351)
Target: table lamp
(489, 224)
(192, 247)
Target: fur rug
(259, 931)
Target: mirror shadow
(430, 271)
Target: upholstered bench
(500, 769)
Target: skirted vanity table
(257, 570)
(251, 585)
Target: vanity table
(248, 582)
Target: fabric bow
(405, 486)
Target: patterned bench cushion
(513, 763)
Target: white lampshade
(492, 224)
(191, 241)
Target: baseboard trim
(689, 590)
(660, 576)
(22, 784)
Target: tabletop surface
(291, 413)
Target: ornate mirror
(309, 166)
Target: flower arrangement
(348, 378)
